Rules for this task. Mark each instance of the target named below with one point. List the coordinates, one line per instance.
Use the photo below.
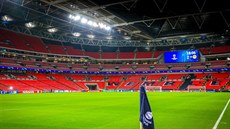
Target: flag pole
(141, 127)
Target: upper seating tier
(15, 40)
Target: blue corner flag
(146, 117)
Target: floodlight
(83, 20)
(76, 18)
(203, 37)
(76, 34)
(183, 39)
(95, 24)
(6, 18)
(52, 30)
(30, 25)
(101, 25)
(108, 28)
(109, 37)
(90, 36)
(90, 23)
(127, 37)
(71, 16)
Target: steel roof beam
(58, 1)
(225, 20)
(202, 6)
(25, 3)
(146, 36)
(163, 18)
(199, 24)
(56, 18)
(160, 9)
(1, 5)
(107, 5)
(113, 43)
(102, 7)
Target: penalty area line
(221, 115)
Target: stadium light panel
(90, 36)
(76, 18)
(109, 37)
(84, 20)
(203, 37)
(101, 25)
(6, 18)
(70, 16)
(52, 30)
(127, 37)
(95, 24)
(108, 28)
(76, 34)
(183, 40)
(30, 25)
(90, 23)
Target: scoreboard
(181, 56)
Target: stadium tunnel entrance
(92, 86)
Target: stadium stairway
(4, 87)
(227, 86)
(120, 85)
(137, 86)
(68, 84)
(80, 86)
(187, 81)
(52, 86)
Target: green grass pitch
(112, 110)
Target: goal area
(154, 88)
(192, 88)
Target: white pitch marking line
(221, 115)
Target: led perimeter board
(181, 56)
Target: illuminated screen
(181, 56)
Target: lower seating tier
(75, 82)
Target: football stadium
(114, 64)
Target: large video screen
(181, 56)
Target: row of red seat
(30, 43)
(215, 50)
(223, 84)
(206, 81)
(20, 41)
(72, 82)
(110, 67)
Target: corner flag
(146, 117)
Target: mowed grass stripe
(110, 110)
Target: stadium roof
(152, 22)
